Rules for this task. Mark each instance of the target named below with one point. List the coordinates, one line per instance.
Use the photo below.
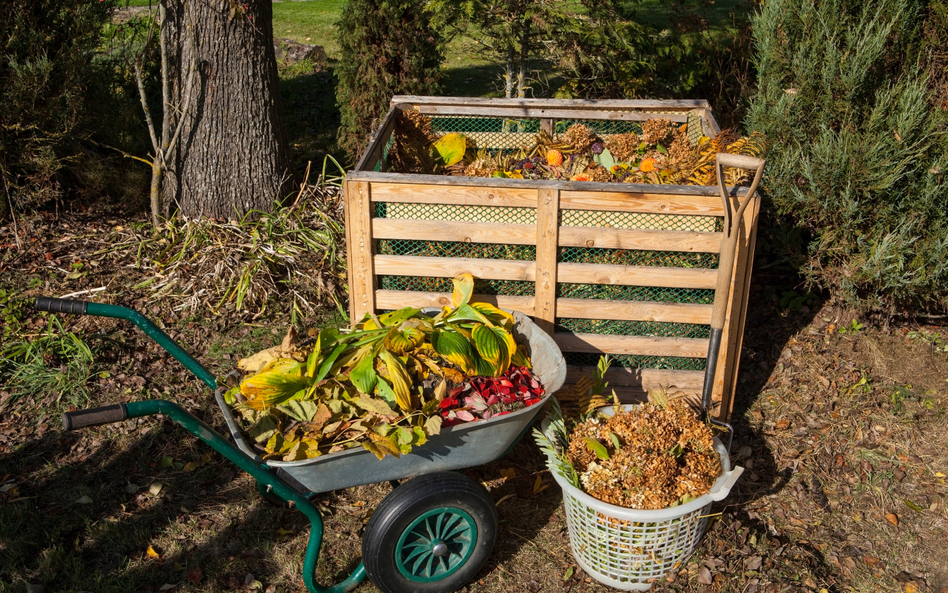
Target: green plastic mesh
(455, 213)
(672, 363)
(634, 257)
(640, 220)
(456, 249)
(607, 292)
(492, 133)
(433, 284)
(634, 328)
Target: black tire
(400, 559)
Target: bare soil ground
(842, 434)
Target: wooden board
(449, 267)
(634, 345)
(633, 311)
(463, 232)
(637, 275)
(408, 101)
(360, 243)
(640, 239)
(396, 299)
(465, 195)
(547, 239)
(539, 112)
(651, 202)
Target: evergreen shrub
(858, 157)
(45, 76)
(388, 48)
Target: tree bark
(231, 155)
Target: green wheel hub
(435, 545)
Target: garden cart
(431, 533)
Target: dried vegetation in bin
(662, 154)
(658, 455)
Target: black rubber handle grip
(94, 417)
(60, 305)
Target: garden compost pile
(654, 456)
(663, 153)
(388, 384)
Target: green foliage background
(45, 83)
(389, 48)
(858, 156)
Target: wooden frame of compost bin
(363, 186)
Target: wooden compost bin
(617, 268)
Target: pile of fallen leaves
(663, 153)
(650, 456)
(388, 384)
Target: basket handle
(729, 482)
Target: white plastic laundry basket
(630, 549)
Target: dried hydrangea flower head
(580, 137)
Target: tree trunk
(231, 155)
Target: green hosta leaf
(597, 448)
(463, 289)
(401, 382)
(363, 374)
(386, 392)
(392, 318)
(302, 410)
(466, 312)
(276, 383)
(450, 148)
(401, 341)
(454, 348)
(495, 315)
(482, 367)
(491, 348)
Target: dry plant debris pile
(655, 456)
(661, 154)
(388, 384)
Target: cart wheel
(433, 533)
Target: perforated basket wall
(623, 269)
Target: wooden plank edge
(449, 267)
(396, 299)
(631, 345)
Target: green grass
(311, 22)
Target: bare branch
(148, 120)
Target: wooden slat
(652, 104)
(652, 203)
(449, 267)
(548, 202)
(534, 112)
(535, 184)
(636, 275)
(466, 232)
(640, 345)
(374, 152)
(633, 311)
(361, 269)
(396, 299)
(687, 381)
(462, 194)
(644, 239)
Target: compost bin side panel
(361, 249)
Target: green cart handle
(200, 429)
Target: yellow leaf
(151, 553)
(910, 587)
(538, 485)
(939, 475)
(493, 313)
(401, 382)
(463, 289)
(276, 383)
(892, 518)
(508, 473)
